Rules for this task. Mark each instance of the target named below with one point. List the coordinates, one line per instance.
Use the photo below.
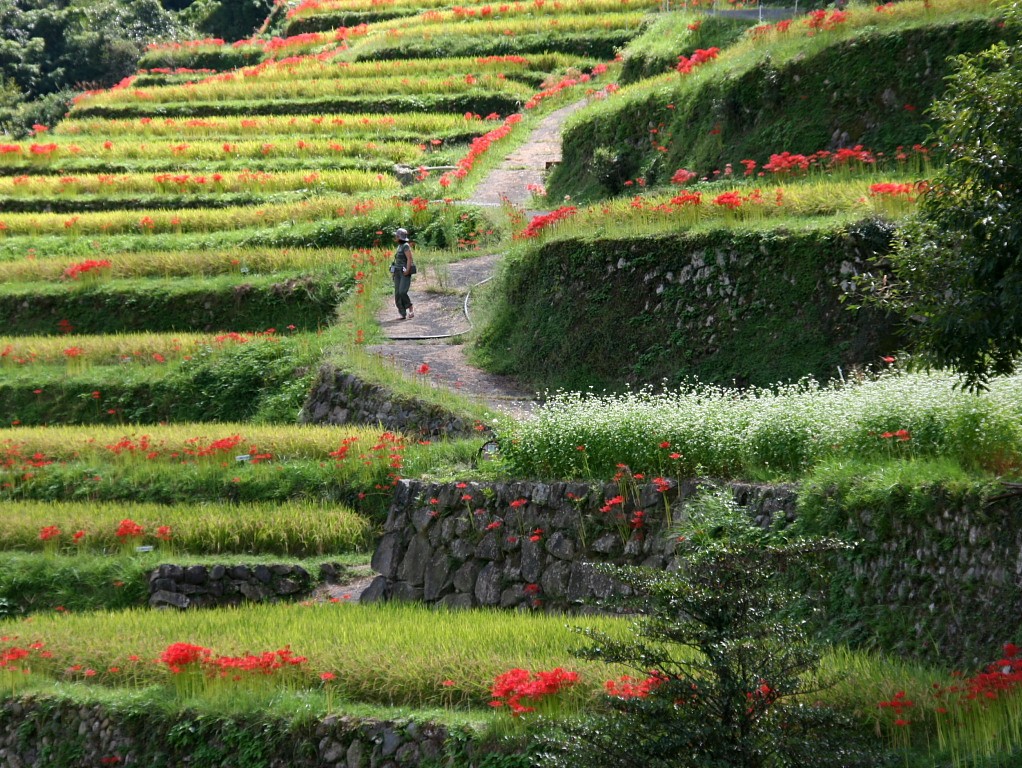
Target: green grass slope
(867, 81)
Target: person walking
(403, 268)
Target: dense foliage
(48, 49)
(722, 661)
(960, 270)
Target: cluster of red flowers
(477, 148)
(1003, 677)
(129, 529)
(820, 19)
(898, 705)
(902, 435)
(687, 63)
(510, 688)
(539, 223)
(997, 680)
(566, 82)
(179, 657)
(75, 271)
(222, 445)
(891, 189)
(628, 687)
(126, 529)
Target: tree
(958, 270)
(724, 665)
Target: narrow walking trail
(443, 294)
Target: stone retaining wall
(339, 397)
(939, 579)
(44, 732)
(203, 586)
(521, 545)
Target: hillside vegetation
(183, 250)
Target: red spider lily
(422, 370)
(892, 190)
(730, 200)
(821, 20)
(897, 705)
(627, 687)
(538, 223)
(49, 532)
(902, 435)
(179, 655)
(511, 687)
(687, 198)
(129, 529)
(164, 533)
(687, 63)
(611, 503)
(74, 271)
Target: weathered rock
(465, 577)
(438, 579)
(416, 559)
(387, 557)
(377, 591)
(164, 599)
(487, 589)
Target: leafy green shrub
(724, 664)
(227, 19)
(959, 266)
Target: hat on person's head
(401, 234)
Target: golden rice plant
(184, 183)
(294, 529)
(100, 442)
(310, 147)
(358, 644)
(233, 261)
(254, 88)
(217, 128)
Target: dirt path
(443, 295)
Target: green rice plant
(732, 205)
(476, 9)
(213, 129)
(231, 88)
(428, 27)
(196, 52)
(773, 433)
(179, 443)
(328, 182)
(356, 644)
(74, 155)
(293, 529)
(120, 349)
(149, 222)
(207, 263)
